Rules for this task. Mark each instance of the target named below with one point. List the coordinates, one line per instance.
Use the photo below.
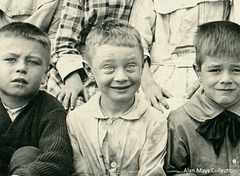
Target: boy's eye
(10, 59)
(108, 68)
(34, 62)
(215, 70)
(131, 67)
(237, 70)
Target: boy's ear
(88, 70)
(142, 68)
(145, 61)
(44, 78)
(198, 72)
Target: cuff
(68, 64)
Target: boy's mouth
(120, 87)
(20, 80)
(226, 90)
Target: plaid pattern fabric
(77, 19)
(77, 16)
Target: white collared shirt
(13, 113)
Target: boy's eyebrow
(108, 60)
(17, 55)
(29, 57)
(214, 65)
(11, 54)
(235, 66)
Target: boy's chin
(226, 103)
(123, 99)
(24, 94)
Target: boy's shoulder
(90, 109)
(195, 110)
(147, 112)
(47, 102)
(178, 115)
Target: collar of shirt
(201, 108)
(13, 113)
(137, 110)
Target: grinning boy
(116, 131)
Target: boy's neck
(115, 109)
(14, 102)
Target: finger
(73, 100)
(55, 93)
(61, 96)
(154, 103)
(166, 93)
(85, 94)
(162, 100)
(192, 90)
(66, 100)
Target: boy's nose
(21, 67)
(226, 78)
(120, 75)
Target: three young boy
(117, 132)
(33, 133)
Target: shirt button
(234, 161)
(113, 164)
(109, 122)
(174, 56)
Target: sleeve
(52, 30)
(80, 168)
(43, 13)
(143, 18)
(45, 16)
(152, 156)
(55, 147)
(177, 159)
(66, 55)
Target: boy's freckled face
(117, 71)
(221, 79)
(22, 66)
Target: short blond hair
(113, 32)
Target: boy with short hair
(116, 131)
(204, 132)
(33, 134)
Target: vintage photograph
(119, 87)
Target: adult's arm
(143, 18)
(66, 55)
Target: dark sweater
(40, 124)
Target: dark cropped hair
(28, 31)
(217, 39)
(113, 32)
